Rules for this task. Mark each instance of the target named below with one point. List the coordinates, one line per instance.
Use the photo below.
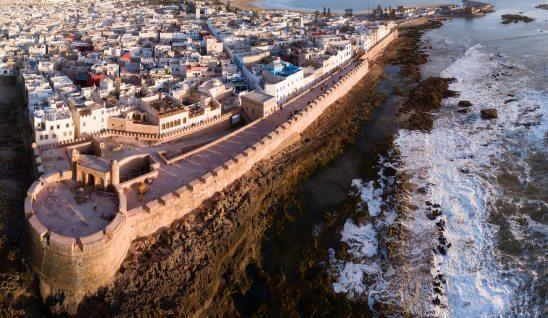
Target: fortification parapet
(71, 263)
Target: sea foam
(456, 166)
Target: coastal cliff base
(18, 294)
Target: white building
(282, 79)
(213, 45)
(89, 119)
(52, 125)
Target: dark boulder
(465, 103)
(489, 113)
(442, 250)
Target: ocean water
(341, 5)
(487, 178)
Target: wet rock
(465, 103)
(425, 98)
(436, 301)
(442, 240)
(389, 172)
(434, 214)
(342, 252)
(464, 170)
(441, 278)
(442, 250)
(462, 111)
(360, 217)
(515, 18)
(411, 71)
(489, 113)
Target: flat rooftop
(258, 96)
(68, 209)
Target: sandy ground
(245, 4)
(68, 209)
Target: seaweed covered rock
(465, 103)
(426, 97)
(515, 18)
(489, 113)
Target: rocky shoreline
(411, 284)
(305, 289)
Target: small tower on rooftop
(114, 172)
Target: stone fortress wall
(68, 263)
(83, 264)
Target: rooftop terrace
(283, 69)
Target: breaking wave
(474, 217)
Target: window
(84, 124)
(68, 125)
(41, 137)
(58, 126)
(46, 137)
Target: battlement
(73, 263)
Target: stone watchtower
(114, 172)
(74, 157)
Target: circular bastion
(75, 237)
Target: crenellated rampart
(76, 264)
(81, 264)
(163, 211)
